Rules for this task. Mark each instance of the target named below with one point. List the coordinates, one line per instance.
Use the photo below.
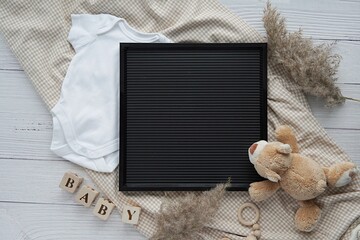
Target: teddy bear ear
(284, 149)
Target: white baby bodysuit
(86, 117)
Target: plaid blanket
(36, 31)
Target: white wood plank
(321, 19)
(17, 89)
(345, 116)
(349, 66)
(54, 222)
(37, 181)
(26, 124)
(348, 139)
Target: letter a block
(103, 208)
(86, 196)
(131, 214)
(70, 182)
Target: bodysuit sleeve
(83, 29)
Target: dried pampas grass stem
(182, 218)
(312, 67)
(352, 99)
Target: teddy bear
(301, 177)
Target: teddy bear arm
(260, 191)
(285, 135)
(267, 173)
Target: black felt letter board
(189, 113)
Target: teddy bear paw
(260, 191)
(285, 148)
(307, 217)
(340, 174)
(346, 177)
(283, 130)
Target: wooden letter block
(131, 214)
(86, 196)
(70, 182)
(103, 208)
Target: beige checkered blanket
(36, 32)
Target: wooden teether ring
(240, 212)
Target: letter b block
(70, 182)
(86, 196)
(103, 208)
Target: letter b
(102, 209)
(70, 183)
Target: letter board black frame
(188, 114)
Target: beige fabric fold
(36, 31)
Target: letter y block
(130, 214)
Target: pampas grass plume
(312, 67)
(183, 217)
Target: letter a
(85, 197)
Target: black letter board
(189, 113)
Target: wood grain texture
(30, 172)
(39, 181)
(26, 125)
(345, 116)
(350, 53)
(55, 222)
(321, 19)
(348, 140)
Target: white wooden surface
(30, 173)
